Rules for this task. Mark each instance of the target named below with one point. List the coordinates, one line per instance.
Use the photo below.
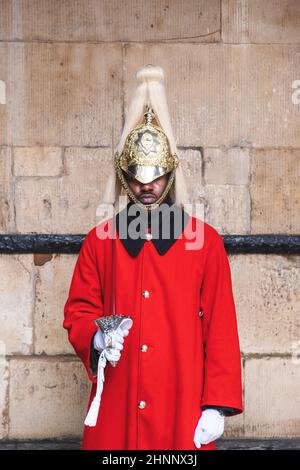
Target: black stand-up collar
(162, 225)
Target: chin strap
(91, 418)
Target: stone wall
(66, 76)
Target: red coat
(191, 361)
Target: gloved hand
(112, 353)
(209, 428)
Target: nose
(147, 187)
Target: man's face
(148, 193)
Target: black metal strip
(40, 243)
(61, 243)
(264, 244)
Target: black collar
(154, 218)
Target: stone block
(47, 398)
(253, 21)
(17, 300)
(221, 94)
(52, 286)
(228, 208)
(67, 204)
(274, 191)
(7, 222)
(267, 302)
(61, 94)
(4, 373)
(110, 20)
(226, 166)
(272, 399)
(37, 161)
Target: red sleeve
(222, 371)
(84, 303)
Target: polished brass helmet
(146, 156)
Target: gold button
(200, 313)
(144, 348)
(148, 236)
(146, 293)
(142, 404)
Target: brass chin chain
(131, 194)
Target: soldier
(178, 371)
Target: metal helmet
(146, 156)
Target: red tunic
(191, 360)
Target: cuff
(225, 410)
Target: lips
(147, 197)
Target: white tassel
(91, 418)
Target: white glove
(209, 428)
(112, 354)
